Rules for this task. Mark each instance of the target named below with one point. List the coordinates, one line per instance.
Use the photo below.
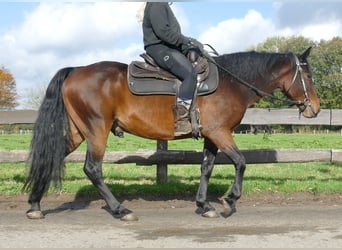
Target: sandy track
(285, 222)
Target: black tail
(50, 139)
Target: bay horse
(85, 103)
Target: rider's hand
(190, 43)
(194, 43)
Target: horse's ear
(306, 53)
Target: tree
(330, 91)
(35, 96)
(8, 91)
(327, 72)
(281, 44)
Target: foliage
(8, 91)
(285, 44)
(327, 70)
(326, 66)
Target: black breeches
(175, 62)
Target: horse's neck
(272, 79)
(263, 71)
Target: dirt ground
(262, 221)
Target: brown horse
(85, 103)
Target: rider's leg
(178, 64)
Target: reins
(258, 91)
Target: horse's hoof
(227, 209)
(210, 214)
(129, 217)
(35, 215)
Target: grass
(244, 141)
(129, 179)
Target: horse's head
(299, 86)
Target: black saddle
(147, 78)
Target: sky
(38, 38)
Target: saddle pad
(155, 86)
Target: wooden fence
(162, 156)
(253, 116)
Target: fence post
(162, 167)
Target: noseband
(302, 105)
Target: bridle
(302, 105)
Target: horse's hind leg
(75, 139)
(93, 169)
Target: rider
(165, 43)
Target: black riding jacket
(161, 26)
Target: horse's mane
(250, 65)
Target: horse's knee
(240, 165)
(241, 162)
(206, 171)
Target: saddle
(147, 78)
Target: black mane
(250, 65)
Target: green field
(129, 179)
(244, 141)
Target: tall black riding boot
(182, 120)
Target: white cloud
(238, 34)
(73, 26)
(55, 35)
(325, 31)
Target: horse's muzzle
(309, 109)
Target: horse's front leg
(209, 152)
(229, 201)
(93, 169)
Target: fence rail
(152, 157)
(253, 116)
(162, 156)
